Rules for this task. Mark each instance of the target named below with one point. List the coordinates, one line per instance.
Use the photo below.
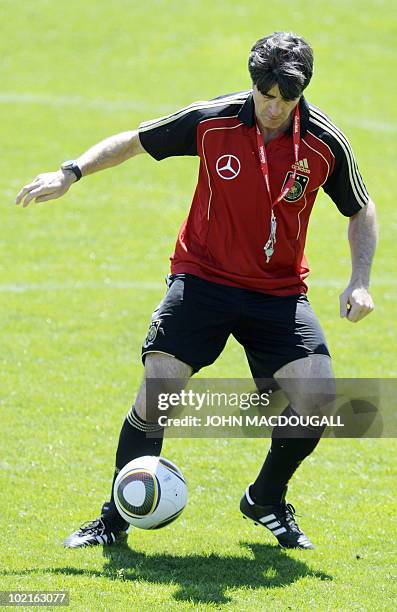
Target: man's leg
(283, 340)
(167, 374)
(291, 445)
(264, 501)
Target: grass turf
(80, 277)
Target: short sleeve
(344, 184)
(171, 135)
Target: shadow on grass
(200, 578)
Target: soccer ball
(150, 492)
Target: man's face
(271, 110)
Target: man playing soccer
(238, 266)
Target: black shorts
(196, 317)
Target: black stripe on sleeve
(176, 134)
(344, 185)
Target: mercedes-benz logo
(228, 167)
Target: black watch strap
(73, 166)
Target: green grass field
(81, 276)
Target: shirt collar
(247, 114)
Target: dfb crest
(298, 188)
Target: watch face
(73, 167)
(67, 165)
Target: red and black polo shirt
(223, 237)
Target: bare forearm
(110, 152)
(363, 235)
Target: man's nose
(275, 108)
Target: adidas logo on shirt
(302, 166)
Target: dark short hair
(282, 59)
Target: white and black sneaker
(95, 533)
(279, 519)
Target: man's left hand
(355, 303)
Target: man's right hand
(47, 186)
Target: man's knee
(164, 374)
(160, 365)
(309, 385)
(313, 366)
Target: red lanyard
(296, 133)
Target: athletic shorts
(196, 317)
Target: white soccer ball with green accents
(150, 492)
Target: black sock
(133, 442)
(284, 457)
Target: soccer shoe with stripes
(95, 533)
(279, 519)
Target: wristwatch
(71, 165)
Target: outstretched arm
(355, 301)
(109, 152)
